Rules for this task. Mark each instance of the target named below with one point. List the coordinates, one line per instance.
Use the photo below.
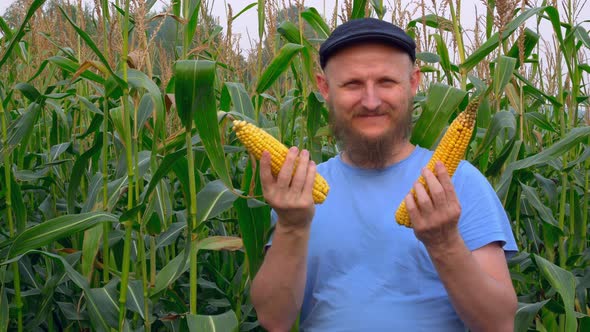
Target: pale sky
(247, 24)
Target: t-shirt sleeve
(483, 218)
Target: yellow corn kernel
(257, 140)
(450, 151)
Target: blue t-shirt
(366, 272)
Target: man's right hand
(290, 194)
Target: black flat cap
(364, 30)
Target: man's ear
(415, 78)
(322, 85)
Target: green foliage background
(127, 203)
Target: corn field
(127, 202)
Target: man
(346, 265)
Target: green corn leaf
(572, 139)
(18, 205)
(180, 169)
(72, 67)
(443, 52)
(503, 73)
(217, 243)
(191, 26)
(107, 298)
(532, 90)
(217, 323)
(492, 43)
(57, 150)
(16, 38)
(254, 222)
(379, 8)
(186, 93)
(78, 171)
(564, 283)
(28, 91)
(51, 231)
(442, 101)
(144, 111)
(214, 199)
(159, 209)
(90, 106)
(540, 121)
(170, 235)
(244, 10)
(120, 121)
(21, 129)
(236, 94)
(95, 309)
(261, 18)
(358, 9)
(94, 48)
(291, 33)
(526, 314)
(498, 165)
(135, 297)
(169, 273)
(278, 65)
(315, 106)
(90, 246)
(140, 81)
(165, 167)
(315, 20)
(533, 199)
(531, 40)
(5, 28)
(4, 317)
(428, 57)
(433, 21)
(94, 127)
(195, 95)
(501, 121)
(40, 70)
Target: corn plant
(128, 203)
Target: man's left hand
(435, 217)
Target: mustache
(368, 112)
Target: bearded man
(345, 265)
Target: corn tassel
(257, 140)
(450, 151)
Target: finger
(266, 177)
(286, 172)
(299, 177)
(446, 182)
(437, 192)
(310, 179)
(422, 199)
(412, 208)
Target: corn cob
(450, 151)
(257, 140)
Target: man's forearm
(483, 302)
(277, 290)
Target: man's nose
(371, 99)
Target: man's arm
(478, 282)
(278, 288)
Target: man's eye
(352, 84)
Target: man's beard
(368, 152)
